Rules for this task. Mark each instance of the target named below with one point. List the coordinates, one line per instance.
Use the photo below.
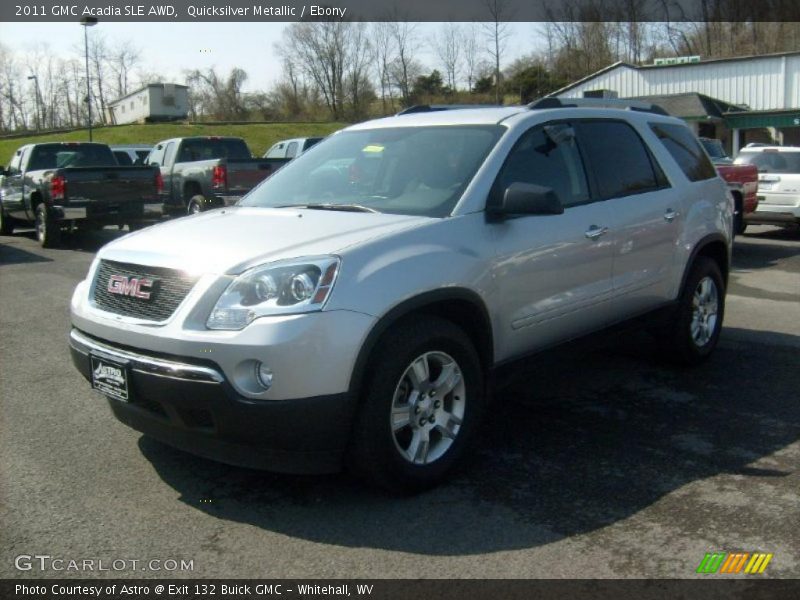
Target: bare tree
(12, 96)
(320, 48)
(98, 64)
(404, 67)
(357, 81)
(384, 55)
(217, 96)
(123, 58)
(472, 54)
(498, 32)
(447, 45)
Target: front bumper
(190, 405)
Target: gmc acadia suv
(350, 309)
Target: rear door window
(619, 159)
(685, 149)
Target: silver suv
(350, 310)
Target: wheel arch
(36, 200)
(461, 306)
(715, 247)
(190, 189)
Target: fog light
(263, 375)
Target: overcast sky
(170, 48)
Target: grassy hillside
(259, 136)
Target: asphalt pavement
(598, 461)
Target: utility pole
(36, 97)
(88, 22)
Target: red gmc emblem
(130, 286)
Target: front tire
(420, 408)
(48, 231)
(694, 332)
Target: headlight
(286, 287)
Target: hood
(231, 239)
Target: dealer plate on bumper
(110, 377)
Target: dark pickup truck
(67, 184)
(207, 172)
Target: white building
(739, 100)
(154, 102)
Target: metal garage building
(739, 100)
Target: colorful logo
(734, 562)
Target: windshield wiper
(342, 207)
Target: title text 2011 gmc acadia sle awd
(349, 310)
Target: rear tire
(420, 406)
(196, 205)
(48, 231)
(6, 224)
(693, 333)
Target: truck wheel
(697, 322)
(196, 205)
(6, 224)
(48, 231)
(420, 407)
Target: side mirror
(154, 164)
(527, 199)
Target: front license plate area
(110, 377)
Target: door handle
(670, 215)
(594, 232)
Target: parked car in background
(67, 184)
(742, 181)
(778, 183)
(291, 148)
(131, 154)
(199, 173)
(330, 321)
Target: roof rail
(421, 108)
(621, 104)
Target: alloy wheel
(428, 408)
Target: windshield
(714, 149)
(771, 161)
(402, 170)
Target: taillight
(159, 182)
(58, 187)
(219, 177)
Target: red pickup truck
(742, 181)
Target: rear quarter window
(686, 150)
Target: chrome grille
(168, 291)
